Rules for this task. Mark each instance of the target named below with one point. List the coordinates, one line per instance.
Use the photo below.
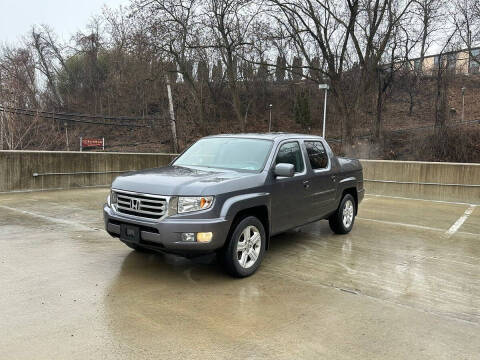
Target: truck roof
(269, 136)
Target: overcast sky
(66, 17)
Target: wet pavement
(404, 284)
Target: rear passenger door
(288, 208)
(321, 178)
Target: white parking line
(51, 219)
(454, 228)
(420, 227)
(413, 226)
(416, 199)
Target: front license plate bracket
(130, 233)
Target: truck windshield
(227, 153)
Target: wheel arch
(352, 191)
(239, 207)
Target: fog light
(188, 237)
(204, 237)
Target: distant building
(458, 61)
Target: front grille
(143, 205)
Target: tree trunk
(236, 102)
(173, 124)
(346, 112)
(441, 99)
(412, 103)
(378, 128)
(2, 129)
(232, 85)
(197, 93)
(441, 112)
(347, 128)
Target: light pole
(326, 88)
(463, 104)
(1, 129)
(270, 121)
(66, 133)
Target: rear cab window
(317, 155)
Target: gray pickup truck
(230, 193)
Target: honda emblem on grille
(134, 204)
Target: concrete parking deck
(404, 284)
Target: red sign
(91, 142)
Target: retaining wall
(49, 170)
(424, 180)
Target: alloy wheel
(248, 246)
(347, 214)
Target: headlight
(111, 198)
(194, 203)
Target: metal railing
(419, 183)
(81, 173)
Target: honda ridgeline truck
(229, 194)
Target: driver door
(289, 194)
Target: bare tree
(430, 14)
(443, 79)
(427, 19)
(231, 23)
(176, 34)
(19, 90)
(18, 78)
(226, 60)
(49, 58)
(351, 38)
(466, 18)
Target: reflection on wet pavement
(396, 287)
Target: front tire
(244, 252)
(341, 222)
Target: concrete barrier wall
(424, 180)
(47, 170)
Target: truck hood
(178, 180)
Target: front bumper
(166, 235)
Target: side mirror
(285, 170)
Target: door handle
(334, 177)
(306, 184)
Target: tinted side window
(290, 153)
(316, 154)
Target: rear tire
(341, 222)
(245, 248)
